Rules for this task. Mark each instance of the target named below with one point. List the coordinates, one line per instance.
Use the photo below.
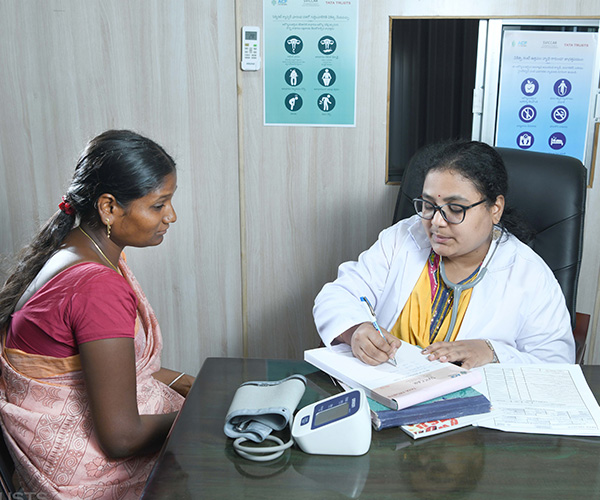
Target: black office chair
(549, 192)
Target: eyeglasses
(454, 214)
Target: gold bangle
(489, 344)
(176, 378)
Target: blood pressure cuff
(258, 408)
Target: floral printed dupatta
(47, 423)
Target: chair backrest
(549, 192)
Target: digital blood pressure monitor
(339, 425)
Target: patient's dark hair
(120, 162)
(484, 167)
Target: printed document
(539, 399)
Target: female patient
(511, 308)
(84, 402)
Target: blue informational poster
(309, 54)
(546, 79)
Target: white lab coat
(518, 305)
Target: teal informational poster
(545, 88)
(309, 56)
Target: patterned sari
(47, 422)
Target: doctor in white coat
(510, 307)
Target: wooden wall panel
(166, 69)
(315, 197)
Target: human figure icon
(293, 77)
(325, 102)
(562, 88)
(293, 102)
(326, 77)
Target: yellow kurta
(413, 324)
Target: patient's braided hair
(120, 162)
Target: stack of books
(452, 411)
(422, 397)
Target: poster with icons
(310, 50)
(545, 89)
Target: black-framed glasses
(454, 213)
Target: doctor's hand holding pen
(370, 343)
(374, 347)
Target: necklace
(98, 248)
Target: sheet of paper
(539, 399)
(409, 359)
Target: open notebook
(414, 380)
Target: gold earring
(108, 228)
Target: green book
(456, 404)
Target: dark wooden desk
(198, 460)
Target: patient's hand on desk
(368, 346)
(470, 353)
(182, 384)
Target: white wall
(263, 223)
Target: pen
(371, 311)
